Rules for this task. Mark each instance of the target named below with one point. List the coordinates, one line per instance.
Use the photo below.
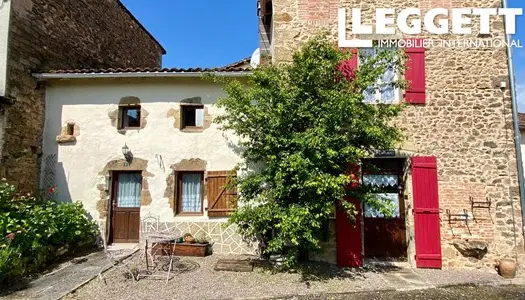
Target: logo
(437, 21)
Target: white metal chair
(151, 237)
(117, 259)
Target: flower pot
(182, 249)
(507, 268)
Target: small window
(70, 129)
(192, 116)
(130, 117)
(189, 192)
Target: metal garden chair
(117, 259)
(153, 242)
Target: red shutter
(348, 68)
(426, 212)
(415, 92)
(353, 59)
(348, 236)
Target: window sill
(124, 130)
(187, 214)
(63, 139)
(192, 129)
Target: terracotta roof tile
(239, 64)
(229, 68)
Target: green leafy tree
(301, 126)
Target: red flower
(51, 190)
(11, 236)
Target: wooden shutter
(415, 92)
(349, 236)
(221, 200)
(426, 212)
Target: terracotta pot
(189, 239)
(507, 268)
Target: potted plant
(188, 238)
(192, 246)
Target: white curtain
(381, 180)
(129, 187)
(383, 91)
(391, 200)
(191, 192)
(199, 117)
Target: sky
(208, 33)
(200, 33)
(519, 55)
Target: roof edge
(141, 26)
(46, 76)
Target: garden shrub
(32, 230)
(302, 126)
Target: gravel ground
(202, 282)
(453, 277)
(456, 293)
(312, 281)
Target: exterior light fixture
(127, 154)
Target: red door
(426, 212)
(348, 237)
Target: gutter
(517, 137)
(136, 75)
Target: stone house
(454, 179)
(44, 35)
(133, 144)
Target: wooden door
(426, 212)
(125, 219)
(385, 236)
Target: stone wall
(61, 34)
(466, 123)
(224, 239)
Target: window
(70, 129)
(189, 193)
(384, 175)
(129, 187)
(192, 116)
(129, 117)
(384, 92)
(388, 184)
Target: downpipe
(517, 137)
